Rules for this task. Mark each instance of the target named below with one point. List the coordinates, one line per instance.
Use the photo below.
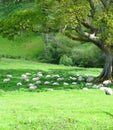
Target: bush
(61, 50)
(88, 56)
(56, 48)
(65, 60)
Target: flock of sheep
(33, 82)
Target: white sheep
(39, 74)
(74, 83)
(33, 87)
(48, 76)
(95, 86)
(6, 80)
(56, 76)
(89, 79)
(50, 89)
(65, 83)
(102, 88)
(60, 79)
(24, 77)
(72, 78)
(80, 78)
(19, 84)
(108, 91)
(46, 82)
(85, 88)
(9, 76)
(89, 84)
(55, 83)
(35, 79)
(38, 82)
(106, 82)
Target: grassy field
(64, 108)
(27, 46)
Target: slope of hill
(28, 45)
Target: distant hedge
(61, 50)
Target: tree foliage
(83, 20)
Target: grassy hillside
(64, 108)
(11, 8)
(27, 46)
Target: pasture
(65, 107)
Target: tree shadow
(16, 77)
(108, 113)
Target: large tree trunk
(107, 71)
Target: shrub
(87, 56)
(56, 48)
(59, 49)
(65, 60)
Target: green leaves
(62, 15)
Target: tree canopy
(87, 21)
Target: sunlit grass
(56, 110)
(64, 108)
(28, 47)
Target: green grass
(57, 110)
(65, 108)
(27, 46)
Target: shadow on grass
(16, 77)
(108, 113)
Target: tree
(83, 20)
(92, 21)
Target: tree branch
(91, 37)
(83, 39)
(91, 2)
(88, 26)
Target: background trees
(86, 21)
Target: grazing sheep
(35, 79)
(38, 82)
(6, 80)
(100, 85)
(80, 78)
(95, 86)
(24, 77)
(46, 82)
(108, 91)
(33, 87)
(72, 78)
(30, 84)
(50, 89)
(89, 79)
(88, 84)
(60, 79)
(55, 83)
(85, 88)
(56, 76)
(106, 82)
(19, 84)
(9, 76)
(48, 76)
(39, 74)
(74, 83)
(65, 83)
(102, 88)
